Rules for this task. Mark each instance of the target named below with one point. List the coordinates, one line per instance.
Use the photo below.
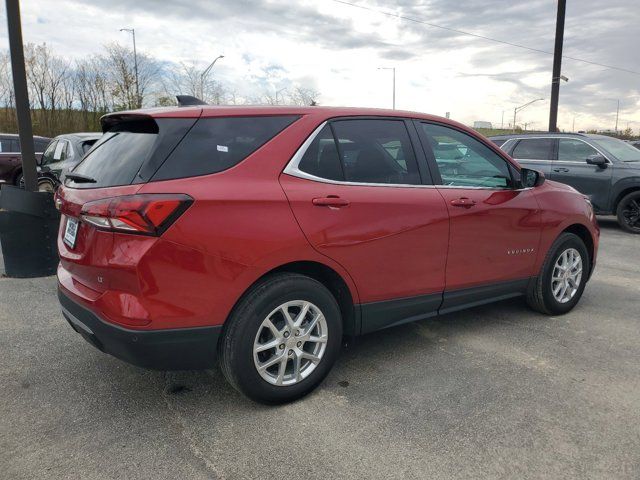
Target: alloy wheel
(631, 213)
(567, 275)
(290, 343)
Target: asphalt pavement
(494, 392)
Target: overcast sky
(337, 49)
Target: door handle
(330, 201)
(560, 169)
(463, 202)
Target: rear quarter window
(534, 149)
(216, 144)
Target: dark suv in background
(62, 154)
(605, 169)
(11, 156)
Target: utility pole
(29, 170)
(557, 66)
(617, 115)
(502, 122)
(132, 31)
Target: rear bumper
(168, 349)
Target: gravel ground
(497, 391)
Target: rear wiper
(79, 178)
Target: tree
(119, 65)
(304, 96)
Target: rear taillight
(149, 214)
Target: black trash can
(28, 232)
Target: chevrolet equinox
(261, 236)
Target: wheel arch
(331, 279)
(583, 232)
(334, 283)
(623, 194)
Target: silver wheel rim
(567, 275)
(290, 343)
(46, 187)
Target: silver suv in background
(604, 168)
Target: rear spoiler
(131, 122)
(189, 101)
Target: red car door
(494, 226)
(361, 202)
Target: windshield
(619, 149)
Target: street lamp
(277, 92)
(132, 31)
(521, 107)
(203, 75)
(394, 82)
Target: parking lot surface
(498, 391)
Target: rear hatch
(108, 223)
(129, 153)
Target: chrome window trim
(503, 146)
(609, 162)
(293, 170)
(560, 137)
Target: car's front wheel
(281, 339)
(562, 278)
(628, 212)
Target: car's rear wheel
(562, 278)
(628, 212)
(282, 338)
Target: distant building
(482, 125)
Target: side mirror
(531, 178)
(597, 159)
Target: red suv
(262, 235)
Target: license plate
(70, 232)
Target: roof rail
(189, 101)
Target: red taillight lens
(149, 214)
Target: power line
(483, 37)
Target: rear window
(86, 146)
(216, 144)
(146, 150)
(116, 159)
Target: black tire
(235, 350)
(628, 212)
(540, 295)
(19, 180)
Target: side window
(40, 145)
(218, 143)
(321, 158)
(4, 145)
(533, 148)
(574, 150)
(464, 161)
(376, 151)
(47, 156)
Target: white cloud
(336, 49)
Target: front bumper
(168, 349)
